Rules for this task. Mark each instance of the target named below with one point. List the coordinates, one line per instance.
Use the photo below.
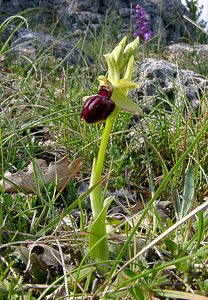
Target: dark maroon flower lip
(97, 108)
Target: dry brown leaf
(50, 256)
(38, 174)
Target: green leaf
(171, 245)
(160, 280)
(188, 193)
(200, 229)
(122, 101)
(178, 295)
(183, 267)
(137, 293)
(98, 241)
(120, 281)
(84, 272)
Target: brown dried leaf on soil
(38, 174)
(43, 263)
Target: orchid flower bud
(98, 107)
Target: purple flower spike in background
(142, 26)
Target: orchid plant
(105, 106)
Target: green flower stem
(96, 194)
(120, 58)
(98, 241)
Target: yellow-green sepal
(113, 70)
(129, 68)
(121, 83)
(118, 52)
(104, 80)
(123, 102)
(125, 84)
(130, 49)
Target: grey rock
(31, 44)
(161, 80)
(198, 54)
(125, 12)
(166, 17)
(39, 11)
(78, 14)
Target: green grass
(157, 241)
